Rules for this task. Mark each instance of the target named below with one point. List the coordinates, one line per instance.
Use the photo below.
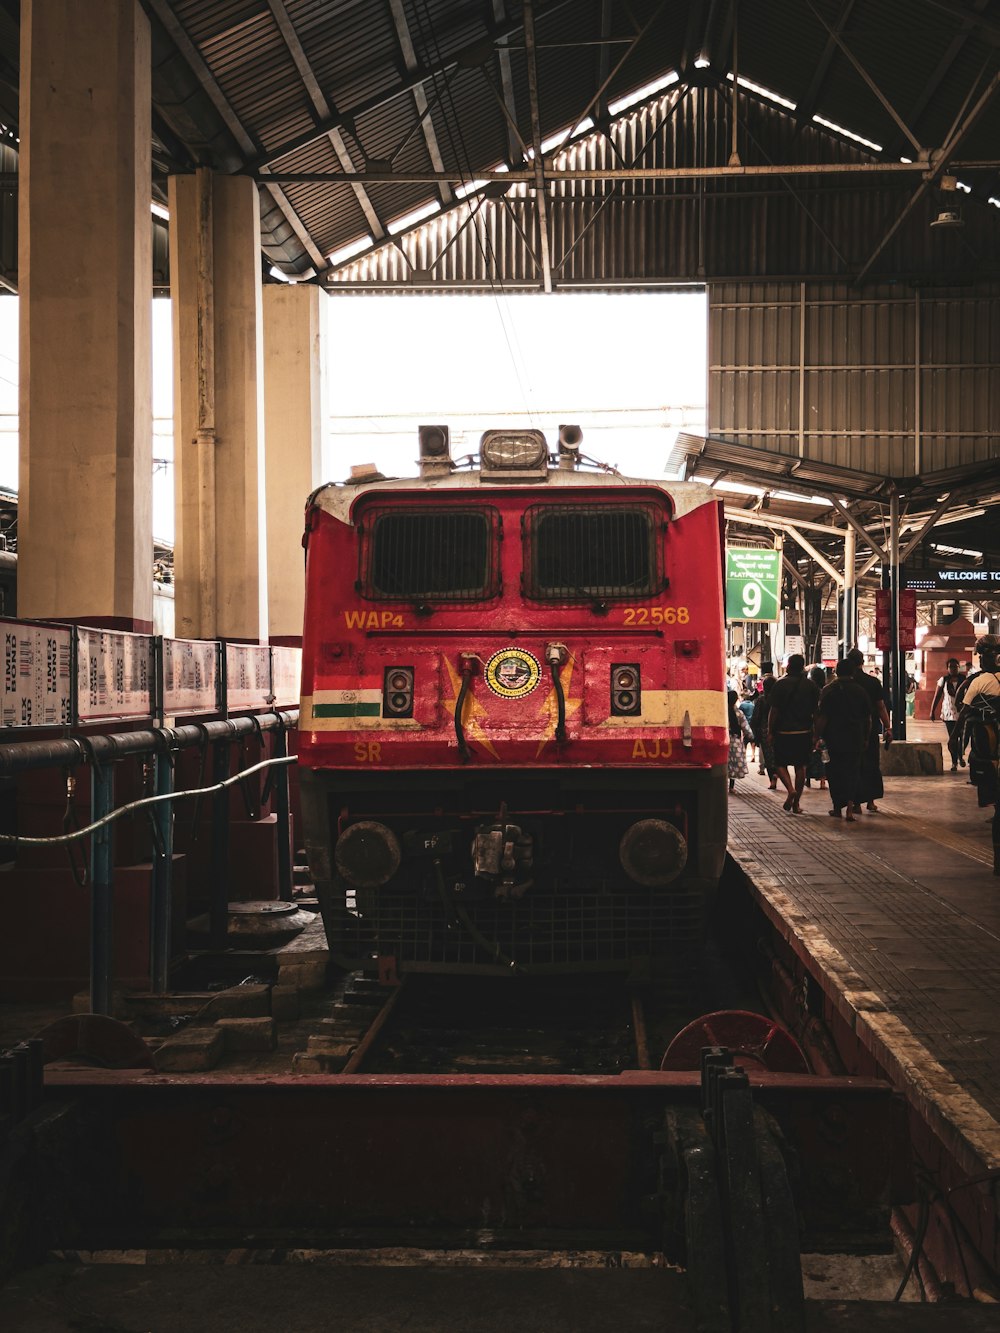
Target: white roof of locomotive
(338, 498)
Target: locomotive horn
(435, 450)
(569, 446)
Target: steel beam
(541, 199)
(606, 83)
(820, 559)
(789, 568)
(968, 15)
(345, 119)
(777, 521)
(807, 104)
(941, 161)
(922, 531)
(614, 192)
(627, 173)
(849, 603)
(865, 536)
(322, 109)
(792, 526)
(419, 96)
(835, 36)
(515, 143)
(248, 146)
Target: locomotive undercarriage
(513, 870)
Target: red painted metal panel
(349, 642)
(489, 1160)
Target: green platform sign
(753, 583)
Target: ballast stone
(190, 1051)
(248, 1034)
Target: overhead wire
(460, 151)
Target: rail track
(597, 1024)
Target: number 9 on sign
(752, 596)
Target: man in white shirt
(944, 697)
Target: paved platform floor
(902, 911)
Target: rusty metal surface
(482, 1160)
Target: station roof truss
(948, 518)
(556, 143)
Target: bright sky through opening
(630, 368)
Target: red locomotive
(513, 733)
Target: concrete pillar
(85, 549)
(295, 413)
(221, 585)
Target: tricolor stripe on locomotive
(513, 732)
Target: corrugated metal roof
(257, 85)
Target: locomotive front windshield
(574, 552)
(411, 554)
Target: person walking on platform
(871, 788)
(816, 769)
(842, 724)
(739, 734)
(945, 696)
(758, 725)
(980, 721)
(746, 705)
(794, 701)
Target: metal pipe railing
(160, 744)
(20, 756)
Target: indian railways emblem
(513, 673)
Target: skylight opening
(420, 214)
(350, 250)
(563, 136)
(848, 134)
(463, 191)
(702, 62)
(644, 93)
(955, 550)
(761, 91)
(158, 210)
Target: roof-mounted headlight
(513, 455)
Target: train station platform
(897, 918)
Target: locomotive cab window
(416, 553)
(584, 552)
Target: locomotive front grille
(575, 552)
(417, 553)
